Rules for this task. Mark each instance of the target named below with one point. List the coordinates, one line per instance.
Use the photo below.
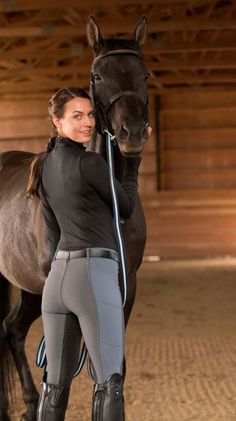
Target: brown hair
(56, 108)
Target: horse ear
(94, 35)
(140, 32)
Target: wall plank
(199, 99)
(27, 108)
(24, 128)
(24, 125)
(191, 224)
(199, 159)
(192, 119)
(35, 145)
(196, 179)
(198, 140)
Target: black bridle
(102, 109)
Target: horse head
(119, 87)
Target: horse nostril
(124, 131)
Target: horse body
(24, 257)
(24, 250)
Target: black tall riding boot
(108, 400)
(52, 402)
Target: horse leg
(131, 292)
(5, 369)
(17, 325)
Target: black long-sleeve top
(76, 197)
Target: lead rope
(109, 139)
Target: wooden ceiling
(43, 43)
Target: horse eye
(147, 75)
(97, 78)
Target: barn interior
(188, 174)
(182, 332)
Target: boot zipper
(101, 406)
(42, 401)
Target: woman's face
(78, 121)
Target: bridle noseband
(101, 108)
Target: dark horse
(119, 89)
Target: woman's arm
(95, 172)
(53, 229)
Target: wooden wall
(198, 141)
(24, 124)
(194, 213)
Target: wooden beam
(179, 47)
(187, 24)
(31, 52)
(193, 64)
(24, 5)
(161, 84)
(194, 80)
(15, 95)
(81, 69)
(76, 69)
(21, 87)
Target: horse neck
(98, 145)
(118, 162)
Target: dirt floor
(180, 348)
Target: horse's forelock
(120, 43)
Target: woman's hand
(149, 130)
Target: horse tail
(6, 363)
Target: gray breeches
(83, 294)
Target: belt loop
(68, 257)
(87, 253)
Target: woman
(81, 290)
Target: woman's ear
(56, 121)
